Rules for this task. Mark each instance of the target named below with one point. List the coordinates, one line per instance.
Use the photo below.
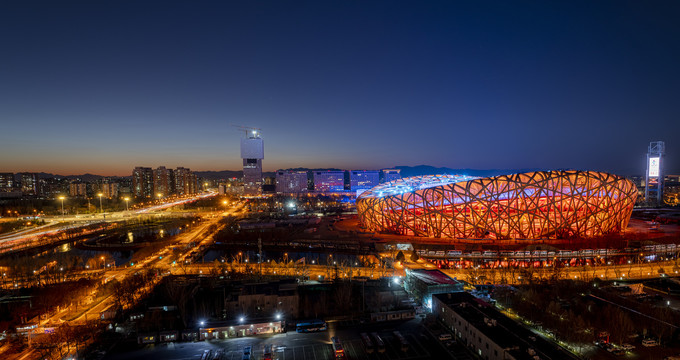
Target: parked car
(649, 343)
(445, 337)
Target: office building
(362, 180)
(291, 182)
(654, 177)
(142, 182)
(30, 184)
(6, 181)
(329, 181)
(252, 153)
(391, 175)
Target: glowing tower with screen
(654, 176)
(252, 153)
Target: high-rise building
(329, 181)
(77, 189)
(192, 183)
(185, 182)
(362, 180)
(6, 181)
(30, 184)
(291, 182)
(655, 176)
(142, 182)
(163, 181)
(252, 153)
(391, 175)
(110, 190)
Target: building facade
(110, 190)
(291, 182)
(252, 153)
(78, 189)
(329, 181)
(654, 176)
(6, 181)
(422, 284)
(391, 175)
(163, 181)
(142, 182)
(490, 334)
(362, 180)
(186, 182)
(30, 184)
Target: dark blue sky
(103, 86)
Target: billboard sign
(654, 167)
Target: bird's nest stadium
(533, 205)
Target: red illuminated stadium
(534, 205)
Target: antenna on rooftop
(249, 131)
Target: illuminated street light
(101, 209)
(241, 319)
(62, 207)
(127, 200)
(278, 316)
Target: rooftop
(433, 277)
(502, 330)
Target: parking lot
(353, 348)
(295, 346)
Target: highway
(92, 311)
(55, 225)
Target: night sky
(103, 86)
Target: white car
(628, 347)
(649, 342)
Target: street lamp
(127, 200)
(101, 209)
(62, 207)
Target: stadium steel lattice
(534, 205)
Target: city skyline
(355, 86)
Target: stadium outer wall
(534, 205)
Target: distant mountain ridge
(420, 170)
(406, 171)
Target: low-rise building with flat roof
(422, 284)
(490, 334)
